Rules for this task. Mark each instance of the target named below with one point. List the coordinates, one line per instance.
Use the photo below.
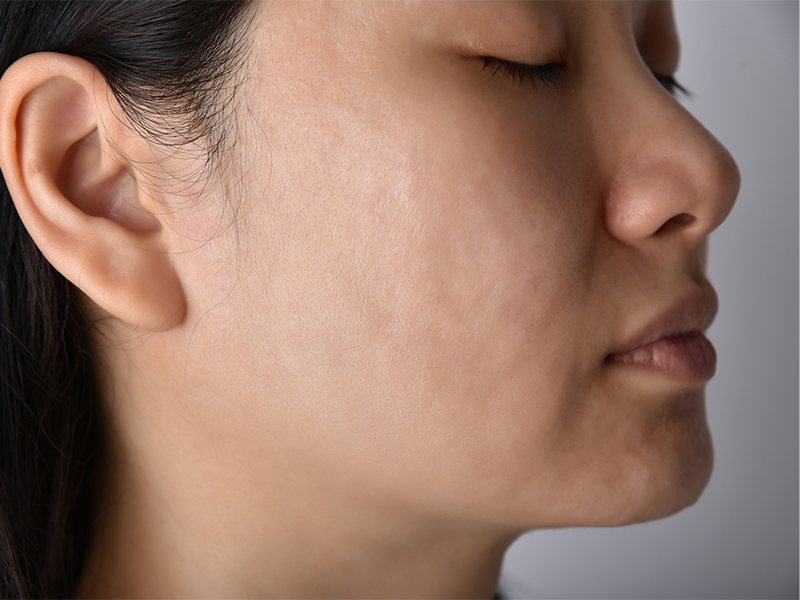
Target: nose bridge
(667, 173)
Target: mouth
(674, 345)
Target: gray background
(740, 60)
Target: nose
(671, 178)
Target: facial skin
(395, 355)
(439, 261)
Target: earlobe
(64, 154)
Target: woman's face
(472, 294)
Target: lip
(673, 345)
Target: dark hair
(170, 66)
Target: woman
(357, 292)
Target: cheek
(501, 256)
(410, 247)
(416, 282)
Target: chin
(679, 468)
(657, 463)
(660, 474)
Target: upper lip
(692, 314)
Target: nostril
(676, 222)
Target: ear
(66, 155)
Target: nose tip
(680, 182)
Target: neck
(179, 520)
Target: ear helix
(80, 205)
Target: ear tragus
(82, 203)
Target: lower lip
(689, 358)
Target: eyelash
(551, 74)
(671, 85)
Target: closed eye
(671, 85)
(550, 75)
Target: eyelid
(521, 73)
